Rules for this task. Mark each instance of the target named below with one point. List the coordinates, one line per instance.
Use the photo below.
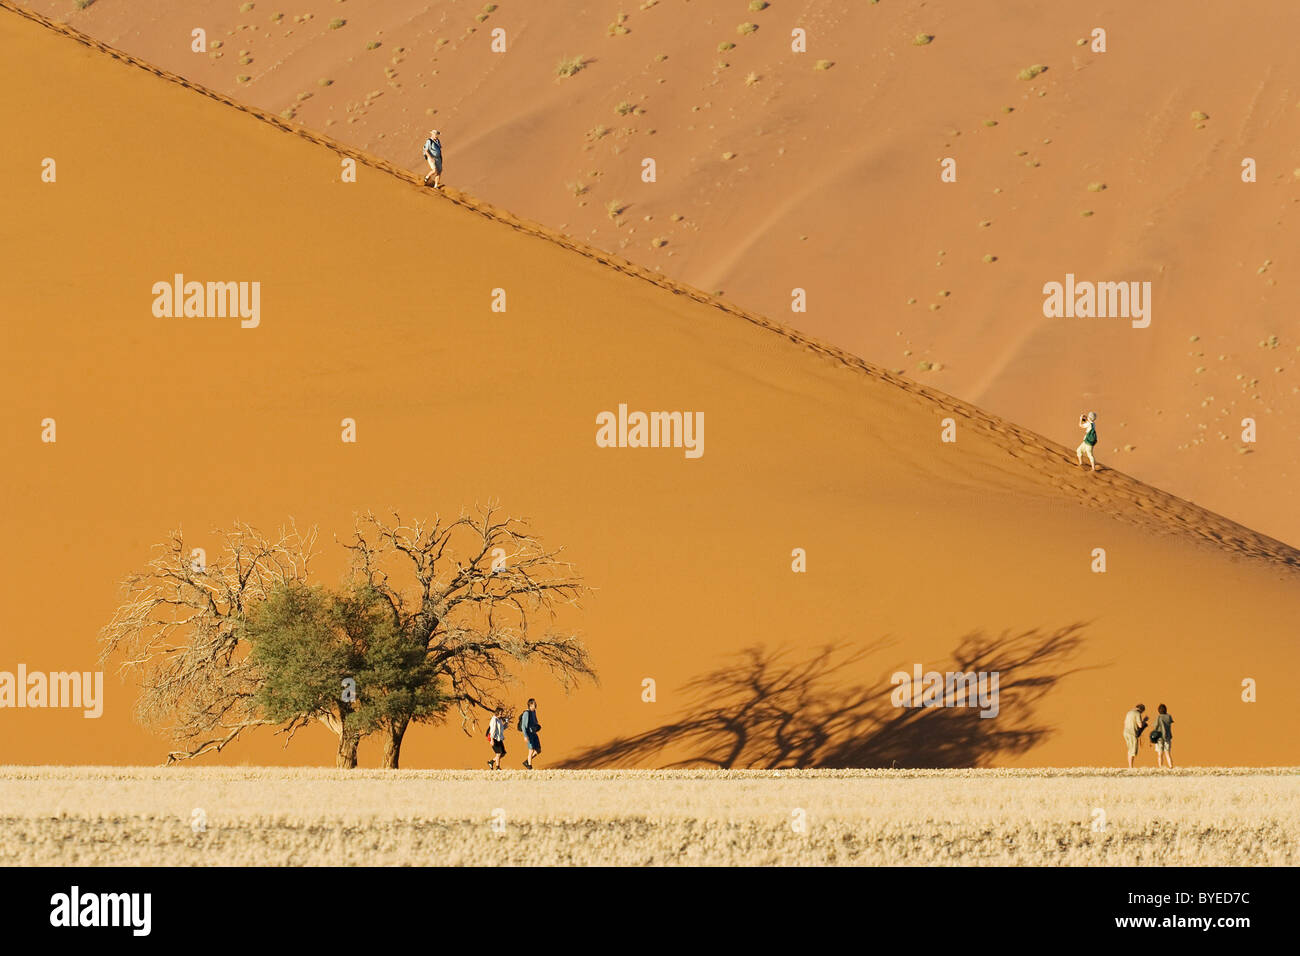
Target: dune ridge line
(1149, 507)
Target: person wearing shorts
(529, 724)
(1134, 724)
(433, 153)
(496, 734)
(1089, 423)
(1164, 746)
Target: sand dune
(376, 305)
(834, 188)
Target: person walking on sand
(496, 735)
(529, 725)
(1089, 424)
(1135, 722)
(1162, 735)
(433, 153)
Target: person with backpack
(496, 735)
(1135, 723)
(433, 153)
(530, 728)
(1162, 736)
(1089, 423)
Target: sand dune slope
(773, 175)
(376, 305)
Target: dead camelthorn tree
(479, 594)
(178, 630)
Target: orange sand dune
(375, 305)
(833, 185)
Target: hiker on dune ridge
(1089, 424)
(433, 153)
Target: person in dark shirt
(529, 724)
(1164, 745)
(433, 153)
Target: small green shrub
(570, 65)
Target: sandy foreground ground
(261, 816)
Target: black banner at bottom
(300, 905)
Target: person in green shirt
(1088, 423)
(1163, 737)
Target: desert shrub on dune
(570, 65)
(1029, 72)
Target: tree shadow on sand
(774, 709)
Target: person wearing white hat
(1089, 423)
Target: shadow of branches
(774, 709)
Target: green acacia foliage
(306, 644)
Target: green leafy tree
(304, 649)
(397, 683)
(341, 659)
(478, 596)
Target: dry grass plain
(263, 816)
